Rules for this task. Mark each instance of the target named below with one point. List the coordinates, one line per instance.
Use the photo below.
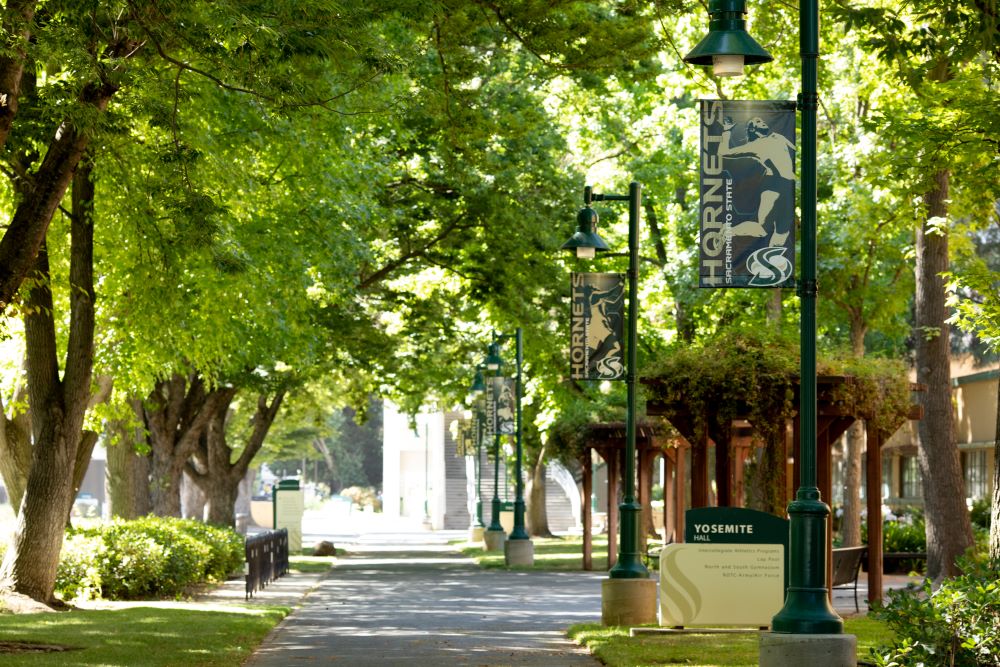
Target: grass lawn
(309, 564)
(616, 649)
(188, 635)
(553, 553)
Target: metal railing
(267, 559)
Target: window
(974, 472)
(911, 487)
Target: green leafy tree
(941, 52)
(974, 294)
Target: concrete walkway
(406, 597)
(410, 599)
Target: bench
(847, 568)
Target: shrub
(958, 624)
(227, 549)
(979, 513)
(79, 574)
(185, 557)
(131, 564)
(899, 536)
(149, 557)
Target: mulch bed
(33, 647)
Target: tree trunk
(537, 514)
(949, 531)
(175, 414)
(26, 232)
(850, 521)
(17, 18)
(333, 478)
(58, 409)
(194, 502)
(219, 479)
(127, 476)
(15, 448)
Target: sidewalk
(409, 598)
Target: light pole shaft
(807, 608)
(479, 469)
(495, 502)
(518, 533)
(809, 49)
(629, 565)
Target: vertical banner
(597, 326)
(505, 388)
(490, 422)
(465, 442)
(747, 190)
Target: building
(426, 482)
(974, 391)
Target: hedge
(148, 557)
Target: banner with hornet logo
(504, 389)
(597, 324)
(747, 193)
(490, 419)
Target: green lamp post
(518, 549)
(628, 596)
(494, 536)
(807, 609)
(478, 390)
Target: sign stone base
(778, 649)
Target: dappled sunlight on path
(409, 598)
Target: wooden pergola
(608, 440)
(652, 440)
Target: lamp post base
(519, 552)
(778, 649)
(628, 601)
(494, 539)
(476, 533)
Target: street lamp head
(585, 241)
(492, 360)
(728, 46)
(478, 384)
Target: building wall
(422, 464)
(975, 400)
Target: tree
(212, 466)
(61, 446)
(865, 241)
(973, 293)
(175, 417)
(933, 45)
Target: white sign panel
(721, 584)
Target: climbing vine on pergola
(703, 387)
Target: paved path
(409, 599)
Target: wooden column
(669, 485)
(740, 455)
(824, 480)
(699, 472)
(587, 518)
(647, 461)
(680, 493)
(873, 500)
(723, 472)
